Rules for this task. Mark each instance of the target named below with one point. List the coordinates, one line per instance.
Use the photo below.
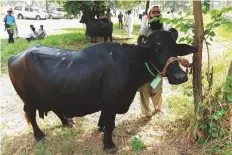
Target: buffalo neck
(139, 72)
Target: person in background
(125, 17)
(146, 91)
(109, 15)
(129, 25)
(144, 20)
(16, 31)
(32, 35)
(120, 22)
(10, 25)
(41, 33)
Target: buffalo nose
(181, 76)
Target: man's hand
(185, 62)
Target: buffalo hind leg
(111, 39)
(68, 122)
(109, 145)
(39, 135)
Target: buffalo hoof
(70, 123)
(40, 141)
(111, 150)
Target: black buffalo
(103, 77)
(98, 27)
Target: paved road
(51, 26)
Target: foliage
(137, 144)
(75, 7)
(130, 4)
(228, 88)
(12, 28)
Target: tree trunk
(230, 105)
(197, 57)
(147, 6)
(47, 5)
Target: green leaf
(214, 134)
(182, 39)
(229, 97)
(229, 77)
(209, 25)
(212, 33)
(212, 124)
(217, 24)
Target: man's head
(33, 29)
(10, 11)
(154, 12)
(41, 27)
(129, 12)
(31, 26)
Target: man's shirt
(10, 20)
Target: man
(109, 15)
(129, 25)
(144, 20)
(120, 23)
(146, 90)
(10, 25)
(32, 35)
(41, 33)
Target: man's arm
(143, 31)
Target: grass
(157, 135)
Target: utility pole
(147, 6)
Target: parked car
(30, 13)
(54, 15)
(59, 10)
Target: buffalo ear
(174, 32)
(184, 49)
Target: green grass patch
(72, 41)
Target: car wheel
(20, 16)
(37, 17)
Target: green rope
(149, 70)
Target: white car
(60, 11)
(30, 13)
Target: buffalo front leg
(38, 134)
(105, 38)
(101, 124)
(68, 122)
(91, 39)
(109, 145)
(95, 39)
